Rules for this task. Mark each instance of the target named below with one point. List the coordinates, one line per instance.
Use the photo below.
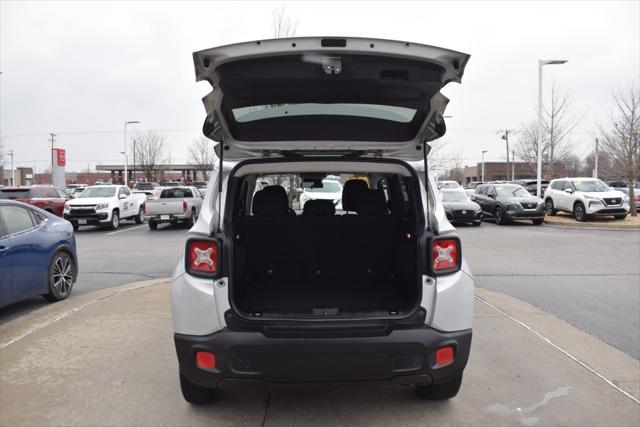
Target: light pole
(542, 63)
(13, 170)
(125, 149)
(483, 151)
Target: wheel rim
(549, 207)
(115, 220)
(579, 212)
(499, 215)
(62, 275)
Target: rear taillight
(184, 206)
(202, 257)
(446, 255)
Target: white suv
(373, 290)
(585, 197)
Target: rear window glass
(22, 193)
(16, 219)
(372, 111)
(175, 193)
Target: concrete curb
(613, 366)
(26, 325)
(588, 226)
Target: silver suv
(585, 197)
(373, 288)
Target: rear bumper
(403, 356)
(166, 218)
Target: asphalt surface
(589, 278)
(111, 258)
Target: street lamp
(542, 63)
(483, 151)
(125, 149)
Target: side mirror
(568, 190)
(122, 196)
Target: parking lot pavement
(112, 362)
(589, 278)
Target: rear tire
(500, 216)
(440, 391)
(191, 220)
(115, 220)
(537, 221)
(196, 394)
(153, 225)
(620, 216)
(551, 210)
(60, 277)
(579, 212)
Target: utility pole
(505, 136)
(13, 170)
(52, 136)
(513, 164)
(482, 178)
(595, 171)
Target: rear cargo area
(321, 263)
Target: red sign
(61, 156)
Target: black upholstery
(271, 201)
(371, 203)
(319, 259)
(319, 208)
(350, 192)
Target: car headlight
(102, 206)
(592, 198)
(513, 206)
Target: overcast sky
(81, 69)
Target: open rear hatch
(326, 96)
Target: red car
(48, 198)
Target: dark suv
(506, 202)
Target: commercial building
(497, 171)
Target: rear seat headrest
(350, 193)
(319, 208)
(371, 203)
(270, 201)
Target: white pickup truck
(105, 205)
(173, 205)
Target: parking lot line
(126, 229)
(563, 351)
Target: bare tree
(283, 24)
(573, 165)
(202, 155)
(456, 173)
(558, 122)
(150, 151)
(621, 137)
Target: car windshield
(591, 185)
(511, 191)
(98, 192)
(454, 196)
(327, 187)
(448, 184)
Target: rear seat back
(318, 247)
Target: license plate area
(164, 216)
(82, 221)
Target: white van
(372, 289)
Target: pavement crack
(266, 408)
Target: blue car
(37, 254)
